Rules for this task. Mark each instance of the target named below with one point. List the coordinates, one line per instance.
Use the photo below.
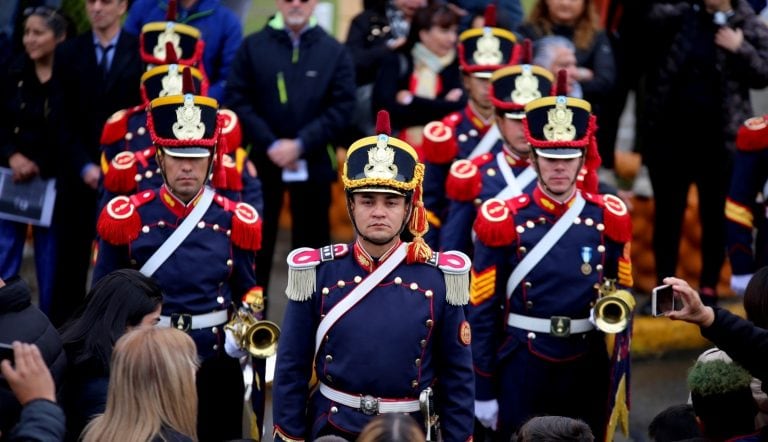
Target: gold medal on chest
(586, 257)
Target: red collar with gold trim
(481, 124)
(177, 206)
(514, 159)
(364, 259)
(550, 204)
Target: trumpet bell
(612, 311)
(262, 338)
(257, 337)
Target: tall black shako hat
(564, 127)
(167, 79)
(484, 50)
(513, 87)
(184, 39)
(383, 163)
(184, 125)
(559, 126)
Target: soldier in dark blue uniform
(543, 260)
(466, 133)
(379, 322)
(198, 245)
(128, 156)
(743, 212)
(504, 174)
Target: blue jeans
(12, 238)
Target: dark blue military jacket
(744, 214)
(209, 270)
(468, 130)
(456, 233)
(563, 283)
(403, 337)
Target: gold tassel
(301, 283)
(418, 251)
(418, 224)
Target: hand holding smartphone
(662, 300)
(6, 352)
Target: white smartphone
(662, 300)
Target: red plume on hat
(170, 13)
(382, 123)
(489, 17)
(526, 56)
(170, 54)
(561, 85)
(188, 86)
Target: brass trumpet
(613, 309)
(257, 337)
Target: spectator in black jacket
(31, 381)
(23, 322)
(293, 87)
(28, 140)
(382, 27)
(745, 343)
(95, 74)
(421, 82)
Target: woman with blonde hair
(392, 427)
(152, 394)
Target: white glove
(739, 283)
(487, 412)
(231, 346)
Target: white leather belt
(194, 322)
(368, 404)
(556, 325)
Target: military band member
(744, 213)
(543, 259)
(128, 155)
(379, 322)
(197, 244)
(504, 174)
(465, 133)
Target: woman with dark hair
(27, 139)
(577, 20)
(420, 82)
(123, 300)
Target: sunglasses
(44, 11)
(291, 1)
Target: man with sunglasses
(293, 87)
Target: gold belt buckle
(560, 326)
